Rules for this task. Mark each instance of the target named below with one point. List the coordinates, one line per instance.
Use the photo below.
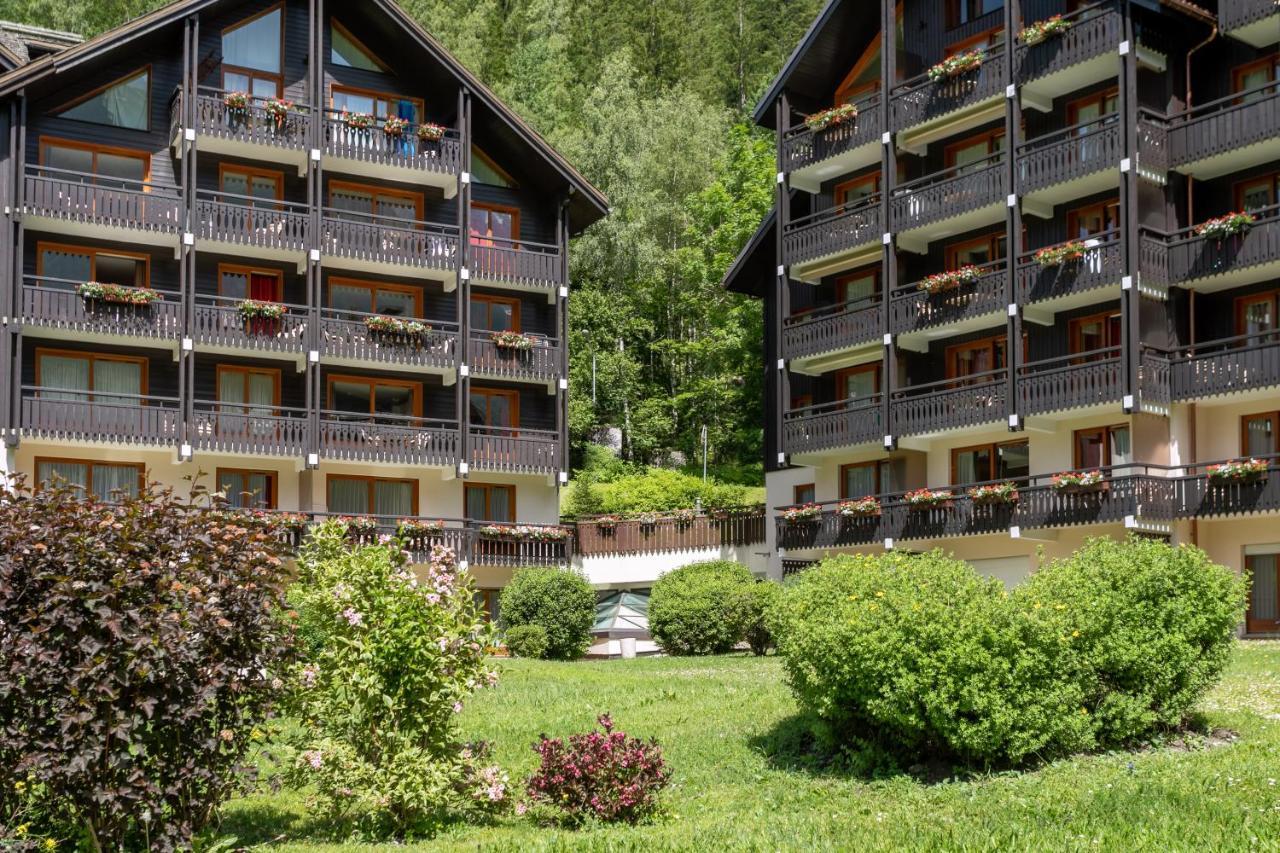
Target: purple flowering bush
(598, 775)
(395, 656)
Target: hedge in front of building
(701, 608)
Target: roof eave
(761, 114)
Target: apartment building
(1021, 282)
(296, 247)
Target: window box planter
(805, 514)
(237, 102)
(512, 341)
(684, 517)
(1238, 471)
(861, 508)
(1000, 494)
(820, 121)
(1056, 256)
(606, 523)
(383, 325)
(1222, 227)
(254, 309)
(359, 526)
(1079, 482)
(278, 110)
(294, 522)
(523, 533)
(117, 294)
(430, 132)
(648, 520)
(412, 528)
(395, 126)
(949, 280)
(358, 121)
(922, 499)
(1041, 30)
(954, 66)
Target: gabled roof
(19, 41)
(747, 272)
(763, 113)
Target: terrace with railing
(355, 336)
(1237, 14)
(1102, 264)
(958, 403)
(223, 322)
(920, 99)
(99, 416)
(1069, 154)
(514, 450)
(832, 231)
(1186, 256)
(388, 439)
(540, 362)
(914, 306)
(241, 118)
(369, 238)
(133, 208)
(250, 223)
(54, 303)
(828, 328)
(1093, 31)
(1224, 126)
(669, 532)
(249, 430)
(518, 263)
(949, 193)
(406, 148)
(828, 426)
(1204, 492)
(1226, 366)
(802, 147)
(1074, 381)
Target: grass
(722, 720)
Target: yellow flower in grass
(880, 593)
(1075, 633)
(21, 830)
(50, 844)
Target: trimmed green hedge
(560, 601)
(701, 608)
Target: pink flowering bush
(396, 655)
(600, 775)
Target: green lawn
(717, 719)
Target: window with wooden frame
(1010, 460)
(495, 408)
(103, 165)
(972, 153)
(248, 489)
(1263, 613)
(859, 286)
(1093, 219)
(1101, 447)
(863, 479)
(117, 380)
(863, 78)
(495, 313)
(805, 493)
(350, 494)
(98, 479)
(242, 282)
(65, 267)
(1257, 313)
(984, 39)
(124, 102)
(961, 12)
(253, 54)
(855, 190)
(1260, 434)
(489, 502)
(1254, 75)
(348, 51)
(244, 390)
(363, 395)
(976, 357)
(1090, 108)
(1257, 193)
(493, 224)
(397, 205)
(374, 297)
(1096, 332)
(485, 170)
(489, 603)
(380, 105)
(250, 184)
(977, 251)
(858, 383)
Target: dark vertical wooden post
(10, 278)
(1130, 313)
(1013, 220)
(562, 332)
(782, 118)
(315, 208)
(19, 156)
(463, 289)
(888, 179)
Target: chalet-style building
(296, 247)
(1016, 262)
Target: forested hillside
(647, 98)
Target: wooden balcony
(962, 403)
(922, 107)
(464, 538)
(828, 241)
(99, 418)
(811, 157)
(516, 553)
(831, 328)
(1074, 381)
(388, 439)
(1227, 135)
(1255, 22)
(219, 326)
(912, 309)
(251, 227)
(721, 529)
(519, 451)
(87, 205)
(1226, 366)
(1210, 264)
(52, 304)
(955, 199)
(374, 153)
(832, 426)
(250, 132)
(1081, 56)
(393, 246)
(1072, 283)
(245, 430)
(1067, 164)
(345, 338)
(540, 363)
(516, 264)
(1137, 496)
(1201, 497)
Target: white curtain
(114, 481)
(123, 105)
(967, 468)
(349, 497)
(1121, 450)
(57, 371)
(393, 499)
(75, 473)
(860, 481)
(75, 268)
(255, 44)
(115, 378)
(1264, 594)
(1258, 435)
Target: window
(380, 105)
(1254, 76)
(248, 489)
(960, 12)
(1257, 193)
(1092, 220)
(495, 313)
(976, 357)
(250, 183)
(347, 50)
(99, 480)
(1097, 332)
(978, 251)
(492, 224)
(804, 494)
(1263, 615)
(404, 207)
(857, 190)
(1093, 107)
(987, 462)
(69, 266)
(1259, 434)
(858, 383)
(252, 52)
(367, 396)
(243, 390)
(863, 78)
(1257, 313)
(97, 164)
(863, 479)
(495, 407)
(1102, 446)
(489, 502)
(115, 380)
(236, 282)
(352, 495)
(485, 170)
(368, 297)
(123, 103)
(971, 154)
(858, 286)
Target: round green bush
(701, 608)
(762, 598)
(526, 641)
(560, 601)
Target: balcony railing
(721, 529)
(804, 147)
(464, 537)
(965, 401)
(86, 198)
(912, 308)
(375, 146)
(1071, 153)
(1225, 125)
(539, 363)
(532, 451)
(53, 303)
(251, 125)
(250, 430)
(1226, 366)
(97, 416)
(1234, 14)
(1140, 492)
(832, 327)
(1095, 30)
(828, 426)
(831, 231)
(1200, 496)
(949, 193)
(919, 99)
(1071, 381)
(502, 551)
(396, 439)
(1183, 256)
(217, 321)
(346, 335)
(387, 240)
(1102, 265)
(252, 222)
(519, 262)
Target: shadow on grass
(262, 823)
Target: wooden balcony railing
(97, 416)
(345, 335)
(386, 240)
(217, 321)
(397, 439)
(532, 451)
(251, 125)
(466, 540)
(1096, 29)
(1154, 378)
(516, 262)
(52, 303)
(252, 222)
(967, 401)
(832, 327)
(83, 197)
(1071, 381)
(948, 193)
(1153, 146)
(406, 151)
(1071, 153)
(1139, 492)
(832, 231)
(540, 363)
(804, 147)
(1102, 265)
(1224, 125)
(729, 528)
(517, 553)
(912, 309)
(1234, 14)
(250, 430)
(1226, 366)
(1183, 257)
(919, 99)
(1200, 496)
(828, 426)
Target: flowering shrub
(858, 508)
(237, 101)
(560, 601)
(941, 281)
(1226, 226)
(395, 126)
(358, 121)
(1065, 253)
(1041, 30)
(378, 701)
(802, 514)
(118, 293)
(396, 326)
(922, 498)
(999, 493)
(1078, 480)
(251, 309)
(428, 132)
(600, 775)
(1238, 470)
(277, 109)
(512, 341)
(954, 66)
(701, 608)
(820, 121)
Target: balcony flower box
(294, 522)
(384, 325)
(1222, 227)
(999, 494)
(358, 121)
(237, 102)
(922, 499)
(954, 66)
(256, 309)
(684, 517)
(395, 126)
(1079, 482)
(1056, 256)
(359, 525)
(523, 533)
(1238, 471)
(117, 294)
(278, 110)
(607, 523)
(949, 280)
(428, 132)
(1041, 30)
(803, 514)
(512, 341)
(860, 508)
(648, 520)
(820, 121)
(413, 528)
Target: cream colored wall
(1218, 427)
(1225, 540)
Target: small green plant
(560, 601)
(526, 641)
(759, 603)
(701, 608)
